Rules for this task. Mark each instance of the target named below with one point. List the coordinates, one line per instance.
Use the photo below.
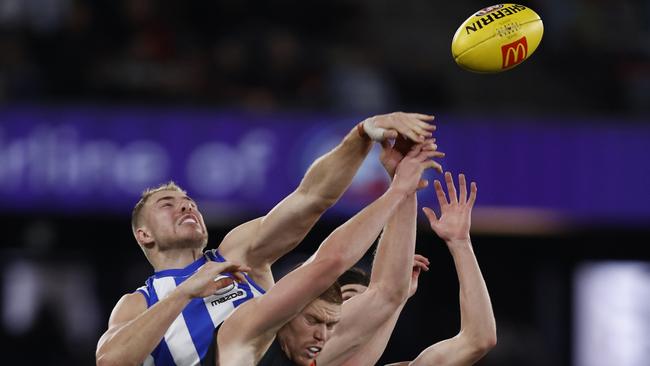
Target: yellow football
(497, 38)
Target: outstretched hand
(393, 153)
(414, 126)
(455, 214)
(409, 171)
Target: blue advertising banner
(99, 159)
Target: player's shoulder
(128, 307)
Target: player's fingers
(234, 267)
(462, 185)
(239, 276)
(420, 258)
(428, 126)
(421, 117)
(451, 189)
(435, 165)
(440, 194)
(421, 265)
(419, 131)
(472, 194)
(429, 145)
(222, 281)
(431, 216)
(428, 164)
(423, 183)
(414, 125)
(415, 151)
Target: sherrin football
(497, 38)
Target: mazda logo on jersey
(222, 299)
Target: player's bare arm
(134, 331)
(262, 241)
(478, 327)
(368, 353)
(254, 324)
(364, 315)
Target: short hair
(354, 276)
(135, 215)
(332, 294)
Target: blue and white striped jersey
(187, 340)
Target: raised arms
(263, 240)
(365, 315)
(260, 318)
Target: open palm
(455, 213)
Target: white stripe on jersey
(148, 361)
(191, 333)
(178, 337)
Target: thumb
(423, 183)
(430, 214)
(390, 134)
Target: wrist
(362, 132)
(181, 293)
(371, 130)
(459, 244)
(396, 193)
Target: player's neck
(175, 258)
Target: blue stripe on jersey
(162, 356)
(215, 256)
(161, 353)
(249, 294)
(198, 323)
(257, 287)
(199, 317)
(153, 296)
(187, 271)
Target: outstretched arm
(363, 315)
(262, 317)
(262, 241)
(370, 352)
(478, 328)
(373, 314)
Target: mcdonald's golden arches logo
(514, 53)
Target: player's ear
(144, 237)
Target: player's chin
(304, 360)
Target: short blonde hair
(135, 215)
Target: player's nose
(320, 333)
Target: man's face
(174, 221)
(351, 290)
(304, 336)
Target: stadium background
(100, 99)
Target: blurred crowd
(339, 55)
